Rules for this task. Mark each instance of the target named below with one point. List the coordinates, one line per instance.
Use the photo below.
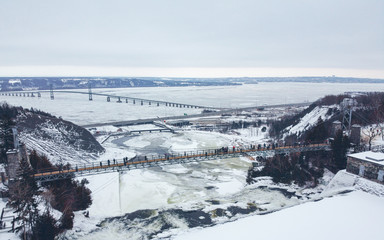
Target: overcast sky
(166, 37)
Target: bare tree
(376, 129)
(371, 133)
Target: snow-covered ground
(353, 215)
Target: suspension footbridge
(52, 174)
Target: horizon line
(147, 72)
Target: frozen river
(77, 108)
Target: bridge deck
(144, 162)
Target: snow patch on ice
(142, 189)
(229, 187)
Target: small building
(369, 165)
(355, 134)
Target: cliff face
(62, 141)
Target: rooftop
(375, 157)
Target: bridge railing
(68, 170)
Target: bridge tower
(90, 91)
(51, 91)
(347, 106)
(15, 156)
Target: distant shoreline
(44, 83)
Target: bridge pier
(158, 104)
(149, 103)
(166, 104)
(134, 101)
(90, 91)
(141, 102)
(108, 99)
(126, 100)
(51, 91)
(38, 94)
(118, 100)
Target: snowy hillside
(62, 141)
(310, 119)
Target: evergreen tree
(45, 227)
(23, 194)
(318, 133)
(39, 162)
(339, 148)
(7, 114)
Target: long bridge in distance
(45, 175)
(212, 111)
(109, 98)
(141, 101)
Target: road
(151, 120)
